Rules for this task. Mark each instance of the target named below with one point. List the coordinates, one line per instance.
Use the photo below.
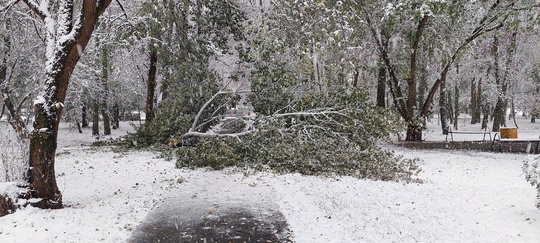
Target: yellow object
(508, 132)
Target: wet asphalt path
(233, 211)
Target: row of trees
(185, 62)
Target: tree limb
(122, 8)
(199, 114)
(203, 134)
(35, 8)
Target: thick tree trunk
(151, 87)
(414, 132)
(42, 155)
(48, 106)
(499, 115)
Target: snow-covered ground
(466, 197)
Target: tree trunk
(414, 132)
(450, 107)
(475, 115)
(442, 109)
(456, 107)
(95, 118)
(502, 82)
(105, 82)
(116, 115)
(499, 113)
(514, 112)
(151, 87)
(482, 106)
(356, 78)
(423, 85)
(79, 128)
(84, 116)
(381, 85)
(106, 120)
(43, 144)
(62, 60)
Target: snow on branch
(203, 108)
(41, 10)
(211, 134)
(65, 18)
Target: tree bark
(62, 60)
(443, 106)
(456, 107)
(115, 115)
(381, 85)
(105, 81)
(414, 122)
(499, 113)
(151, 87)
(475, 115)
(513, 107)
(84, 118)
(95, 118)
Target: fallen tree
(321, 134)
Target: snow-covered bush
(531, 168)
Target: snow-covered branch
(204, 134)
(315, 112)
(203, 108)
(40, 9)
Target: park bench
(451, 133)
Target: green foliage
(334, 134)
(271, 89)
(177, 113)
(186, 34)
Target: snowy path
(216, 207)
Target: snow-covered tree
(67, 28)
